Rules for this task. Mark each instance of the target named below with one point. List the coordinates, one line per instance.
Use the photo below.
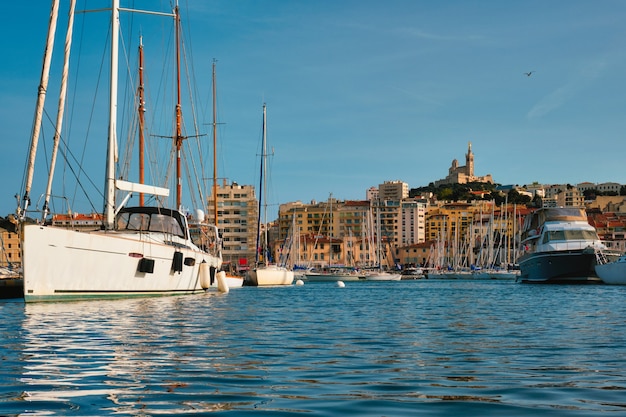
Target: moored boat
(11, 283)
(613, 273)
(383, 276)
(139, 251)
(265, 273)
(559, 247)
(332, 275)
(412, 273)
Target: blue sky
(360, 92)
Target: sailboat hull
(62, 264)
(269, 276)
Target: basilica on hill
(463, 174)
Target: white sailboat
(230, 280)
(141, 251)
(380, 274)
(264, 273)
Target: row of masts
(110, 189)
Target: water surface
(433, 348)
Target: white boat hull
(270, 276)
(383, 276)
(232, 281)
(330, 277)
(495, 274)
(61, 264)
(613, 273)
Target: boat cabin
(152, 219)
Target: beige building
(474, 234)
(322, 234)
(416, 254)
(10, 249)
(450, 221)
(237, 214)
(570, 197)
(354, 226)
(393, 190)
(605, 187)
(412, 222)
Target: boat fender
(299, 282)
(204, 273)
(146, 266)
(222, 285)
(177, 262)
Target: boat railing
(601, 257)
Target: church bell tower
(469, 160)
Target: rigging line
(201, 191)
(129, 85)
(191, 81)
(69, 113)
(65, 151)
(92, 112)
(189, 171)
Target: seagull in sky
(529, 73)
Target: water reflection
(121, 355)
(437, 348)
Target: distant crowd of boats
(559, 247)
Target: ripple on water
(436, 348)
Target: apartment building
(393, 190)
(10, 250)
(237, 214)
(413, 222)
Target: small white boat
(232, 281)
(613, 273)
(412, 273)
(266, 274)
(332, 275)
(270, 275)
(383, 276)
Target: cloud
(552, 101)
(565, 93)
(418, 33)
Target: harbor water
(408, 348)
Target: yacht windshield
(563, 235)
(149, 222)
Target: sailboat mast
(266, 243)
(109, 203)
(330, 232)
(141, 110)
(214, 145)
(262, 190)
(61, 109)
(179, 133)
(41, 98)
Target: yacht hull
(62, 264)
(573, 266)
